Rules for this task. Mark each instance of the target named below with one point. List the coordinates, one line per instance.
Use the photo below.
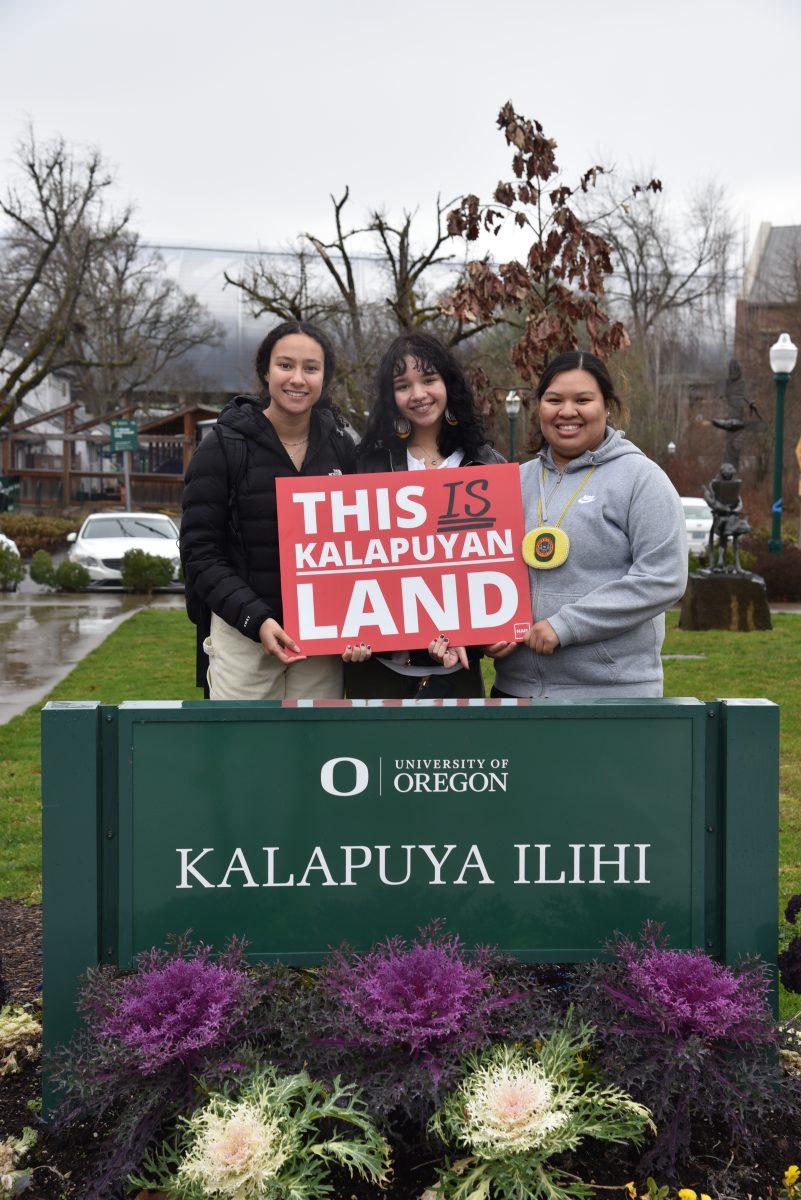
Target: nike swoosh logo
(586, 500)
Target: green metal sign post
(540, 827)
(124, 439)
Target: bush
(11, 569)
(692, 1040)
(518, 1108)
(396, 1019)
(71, 577)
(148, 1039)
(781, 572)
(142, 572)
(37, 533)
(277, 1137)
(42, 569)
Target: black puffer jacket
(393, 458)
(230, 559)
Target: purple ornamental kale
(411, 995)
(793, 908)
(685, 993)
(172, 1008)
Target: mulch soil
(64, 1163)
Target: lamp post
(782, 360)
(671, 449)
(512, 403)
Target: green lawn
(151, 657)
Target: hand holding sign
(542, 639)
(446, 655)
(276, 642)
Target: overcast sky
(229, 122)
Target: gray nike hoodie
(627, 564)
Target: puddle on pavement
(42, 638)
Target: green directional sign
(124, 435)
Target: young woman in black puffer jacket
(423, 418)
(229, 531)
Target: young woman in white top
(423, 418)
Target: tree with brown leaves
(554, 297)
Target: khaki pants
(240, 670)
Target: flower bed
(414, 1070)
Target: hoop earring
(450, 418)
(403, 426)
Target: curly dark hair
(285, 329)
(581, 360)
(429, 354)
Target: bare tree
(289, 292)
(665, 267)
(323, 282)
(672, 276)
(134, 324)
(56, 228)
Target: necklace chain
(542, 503)
(432, 459)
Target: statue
(737, 402)
(721, 596)
(723, 495)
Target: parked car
(698, 521)
(105, 537)
(7, 544)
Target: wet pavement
(42, 637)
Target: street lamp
(512, 403)
(671, 449)
(782, 360)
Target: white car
(698, 521)
(105, 537)
(7, 544)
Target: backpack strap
(338, 442)
(235, 450)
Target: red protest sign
(394, 559)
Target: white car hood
(117, 547)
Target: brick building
(770, 304)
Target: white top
(416, 464)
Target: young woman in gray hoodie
(606, 548)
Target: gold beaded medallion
(545, 547)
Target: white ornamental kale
(13, 1179)
(509, 1108)
(236, 1149)
(516, 1108)
(261, 1139)
(20, 1033)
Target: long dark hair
(429, 354)
(581, 360)
(284, 330)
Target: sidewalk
(42, 637)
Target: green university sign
(539, 827)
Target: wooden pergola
(168, 443)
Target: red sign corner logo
(521, 630)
